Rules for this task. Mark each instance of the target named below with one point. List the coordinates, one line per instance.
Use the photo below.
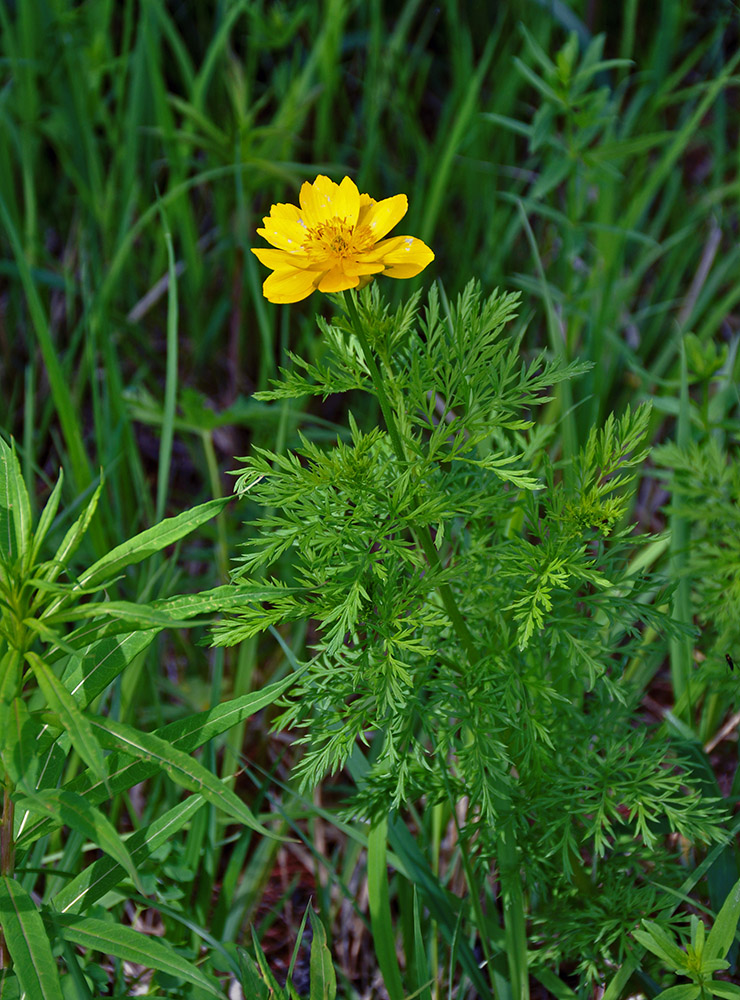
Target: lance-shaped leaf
(152, 540)
(11, 664)
(323, 976)
(163, 614)
(9, 986)
(180, 767)
(120, 941)
(47, 519)
(19, 732)
(79, 815)
(15, 507)
(70, 543)
(722, 933)
(61, 702)
(186, 735)
(660, 943)
(28, 943)
(112, 645)
(105, 873)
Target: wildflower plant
(476, 603)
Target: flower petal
(362, 267)
(347, 202)
(402, 256)
(282, 260)
(337, 281)
(317, 201)
(283, 233)
(289, 286)
(366, 203)
(285, 211)
(382, 216)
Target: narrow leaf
(19, 733)
(185, 734)
(9, 986)
(105, 873)
(10, 674)
(323, 976)
(47, 518)
(111, 646)
(78, 814)
(72, 539)
(183, 769)
(687, 991)
(252, 983)
(14, 504)
(264, 966)
(381, 921)
(722, 933)
(120, 941)
(28, 944)
(722, 989)
(660, 943)
(61, 702)
(154, 539)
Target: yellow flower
(334, 241)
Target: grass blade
(381, 921)
(170, 388)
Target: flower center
(336, 238)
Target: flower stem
(508, 855)
(420, 531)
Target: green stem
(385, 406)
(7, 861)
(511, 887)
(421, 532)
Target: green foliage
(534, 732)
(53, 670)
(706, 488)
(702, 957)
(258, 981)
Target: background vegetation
(585, 154)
